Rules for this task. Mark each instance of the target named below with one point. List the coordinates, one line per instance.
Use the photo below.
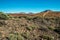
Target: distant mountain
(46, 13)
(49, 13)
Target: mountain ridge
(43, 14)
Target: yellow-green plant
(12, 37)
(47, 37)
(3, 16)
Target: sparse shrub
(19, 17)
(0, 34)
(43, 29)
(57, 30)
(3, 16)
(26, 35)
(29, 28)
(32, 27)
(11, 17)
(47, 37)
(15, 36)
(12, 37)
(2, 23)
(51, 28)
(20, 37)
(29, 17)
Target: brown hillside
(42, 14)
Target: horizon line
(30, 11)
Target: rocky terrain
(40, 26)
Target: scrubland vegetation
(29, 27)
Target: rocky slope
(24, 29)
(31, 28)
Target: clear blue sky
(29, 5)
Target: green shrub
(26, 35)
(29, 28)
(3, 16)
(12, 37)
(20, 37)
(47, 37)
(29, 17)
(15, 36)
(51, 28)
(32, 27)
